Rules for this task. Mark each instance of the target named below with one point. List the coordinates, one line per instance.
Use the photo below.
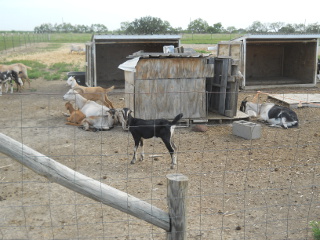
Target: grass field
(15, 40)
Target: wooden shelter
(105, 52)
(274, 60)
(162, 85)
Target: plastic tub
(79, 76)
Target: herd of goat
(89, 115)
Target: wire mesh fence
(266, 188)
(16, 41)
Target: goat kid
(91, 93)
(7, 77)
(273, 114)
(144, 129)
(76, 116)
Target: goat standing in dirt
(20, 68)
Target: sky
(25, 15)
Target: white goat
(88, 107)
(100, 122)
(273, 114)
(91, 93)
(77, 48)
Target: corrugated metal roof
(188, 53)
(278, 36)
(169, 55)
(135, 37)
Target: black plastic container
(79, 76)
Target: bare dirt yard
(266, 188)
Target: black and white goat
(7, 77)
(273, 114)
(144, 129)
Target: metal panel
(89, 69)
(223, 88)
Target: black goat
(8, 76)
(145, 129)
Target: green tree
(98, 28)
(300, 28)
(218, 27)
(257, 27)
(44, 28)
(287, 29)
(274, 27)
(198, 26)
(313, 28)
(146, 25)
(231, 29)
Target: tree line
(153, 25)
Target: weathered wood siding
(166, 87)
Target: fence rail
(174, 223)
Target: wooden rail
(75, 181)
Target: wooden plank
(77, 182)
(172, 68)
(129, 90)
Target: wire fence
(15, 41)
(266, 188)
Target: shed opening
(280, 62)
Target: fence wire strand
(239, 189)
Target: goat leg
(136, 145)
(171, 148)
(142, 150)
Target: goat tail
(109, 89)
(176, 119)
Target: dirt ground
(266, 188)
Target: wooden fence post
(177, 189)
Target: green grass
(315, 229)
(55, 71)
(17, 40)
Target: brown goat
(91, 93)
(76, 116)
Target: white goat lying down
(91, 93)
(88, 107)
(144, 129)
(275, 115)
(100, 123)
(98, 117)
(77, 48)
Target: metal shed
(163, 85)
(274, 60)
(105, 52)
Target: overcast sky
(28, 14)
